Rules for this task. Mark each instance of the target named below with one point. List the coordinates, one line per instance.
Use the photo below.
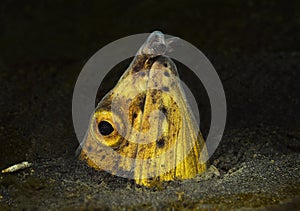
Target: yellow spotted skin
(155, 137)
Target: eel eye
(105, 128)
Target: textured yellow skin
(153, 124)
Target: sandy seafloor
(255, 49)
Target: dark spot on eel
(165, 88)
(160, 143)
(134, 115)
(142, 102)
(166, 74)
(164, 110)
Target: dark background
(253, 45)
